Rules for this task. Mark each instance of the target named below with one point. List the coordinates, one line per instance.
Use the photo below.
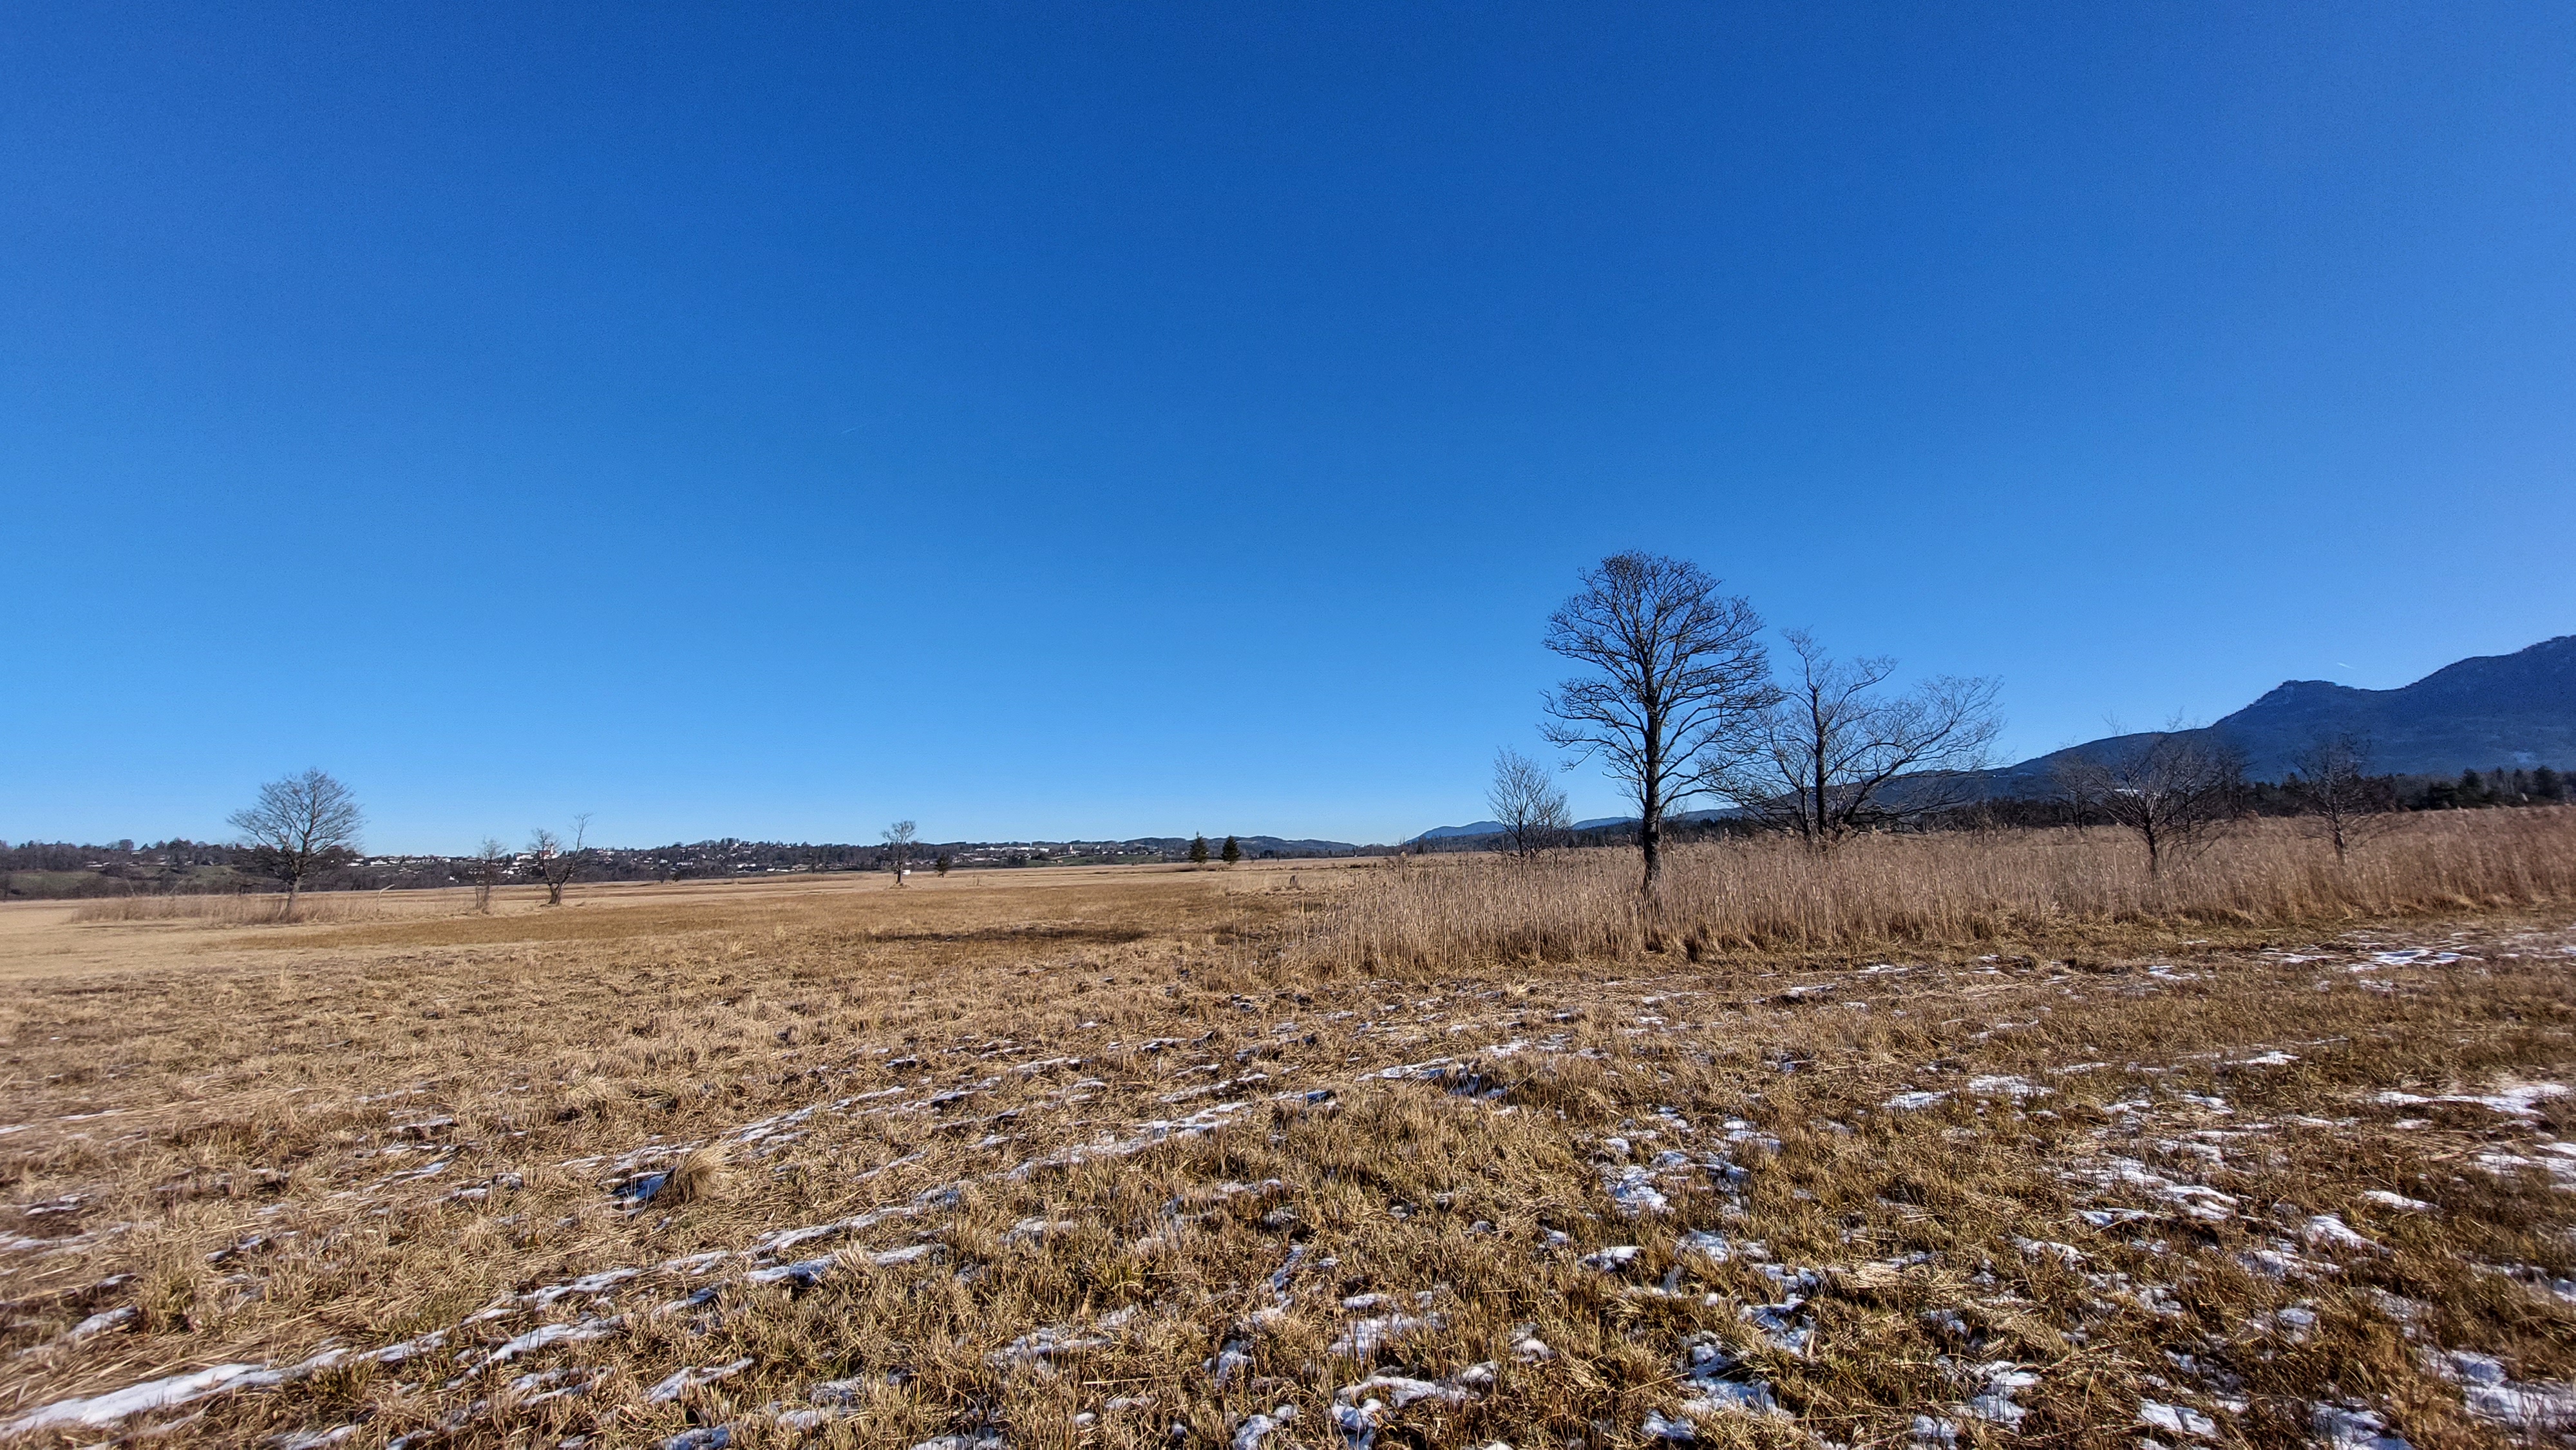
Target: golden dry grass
(249, 908)
(1115, 1158)
(1954, 889)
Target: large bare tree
(1527, 804)
(1832, 755)
(557, 860)
(1678, 676)
(490, 859)
(2335, 789)
(898, 842)
(2173, 787)
(298, 826)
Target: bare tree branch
(1527, 804)
(556, 860)
(1831, 757)
(2335, 789)
(898, 841)
(1680, 677)
(2173, 787)
(297, 826)
(489, 862)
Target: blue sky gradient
(1076, 420)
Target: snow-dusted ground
(1618, 1206)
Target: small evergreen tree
(941, 865)
(1198, 851)
(1233, 851)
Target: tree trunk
(554, 893)
(1822, 820)
(293, 884)
(1650, 827)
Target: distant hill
(1253, 845)
(2480, 713)
(1472, 828)
(1597, 823)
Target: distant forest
(2470, 790)
(59, 870)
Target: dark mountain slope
(2516, 709)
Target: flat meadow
(1980, 1139)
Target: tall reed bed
(245, 909)
(1954, 888)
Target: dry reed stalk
(1961, 888)
(244, 909)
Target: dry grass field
(1951, 1148)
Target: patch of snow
(2513, 1099)
(103, 1321)
(2488, 1393)
(2411, 957)
(160, 1394)
(1055, 1339)
(1363, 1337)
(1679, 1432)
(1633, 1189)
(549, 1335)
(685, 1379)
(2352, 1428)
(2329, 1230)
(2281, 1262)
(2177, 1420)
(1720, 1248)
(1999, 1403)
(1781, 1324)
(1257, 1428)
(2006, 1085)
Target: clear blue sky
(1077, 419)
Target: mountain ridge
(2478, 713)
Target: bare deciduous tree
(2173, 787)
(557, 860)
(489, 860)
(1527, 804)
(1830, 756)
(2334, 787)
(298, 826)
(898, 842)
(1681, 676)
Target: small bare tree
(558, 860)
(1679, 676)
(1527, 804)
(1831, 756)
(2173, 787)
(489, 861)
(2334, 788)
(898, 842)
(298, 826)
